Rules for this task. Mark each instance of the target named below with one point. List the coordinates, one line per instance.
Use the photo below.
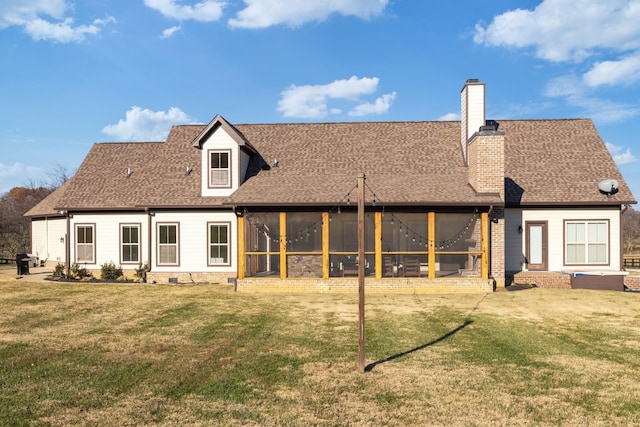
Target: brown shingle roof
(547, 162)
(558, 162)
(405, 162)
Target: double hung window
(85, 243)
(219, 169)
(218, 244)
(168, 244)
(130, 243)
(587, 242)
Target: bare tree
(631, 230)
(58, 175)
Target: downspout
(67, 244)
(149, 228)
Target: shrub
(141, 271)
(109, 271)
(77, 272)
(58, 271)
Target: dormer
(225, 155)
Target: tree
(15, 229)
(631, 230)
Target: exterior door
(536, 241)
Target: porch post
(484, 219)
(325, 245)
(378, 247)
(431, 224)
(241, 247)
(283, 245)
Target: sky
(74, 73)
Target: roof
(318, 163)
(558, 162)
(546, 162)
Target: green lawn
(103, 355)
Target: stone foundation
(350, 285)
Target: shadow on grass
(370, 366)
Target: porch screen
(405, 244)
(262, 244)
(458, 243)
(343, 244)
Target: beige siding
(244, 165)
(107, 237)
(475, 108)
(220, 140)
(193, 244)
(515, 242)
(47, 239)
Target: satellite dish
(608, 187)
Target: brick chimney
(482, 142)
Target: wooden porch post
(484, 219)
(283, 245)
(241, 247)
(431, 224)
(378, 246)
(325, 245)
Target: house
(449, 205)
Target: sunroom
(413, 243)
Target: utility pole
(361, 270)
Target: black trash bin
(22, 264)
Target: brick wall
(204, 278)
(543, 279)
(486, 162)
(632, 282)
(396, 285)
(497, 246)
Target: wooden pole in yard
(361, 270)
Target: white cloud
(16, 175)
(62, 32)
(620, 156)
(311, 101)
(170, 31)
(294, 13)
(625, 71)
(141, 124)
(204, 11)
(562, 30)
(449, 117)
(577, 94)
(379, 106)
(28, 14)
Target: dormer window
(220, 169)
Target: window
(85, 244)
(218, 244)
(587, 242)
(168, 244)
(219, 169)
(129, 243)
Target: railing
(632, 261)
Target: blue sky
(77, 72)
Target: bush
(58, 271)
(109, 271)
(77, 272)
(141, 271)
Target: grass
(98, 354)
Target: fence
(632, 261)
